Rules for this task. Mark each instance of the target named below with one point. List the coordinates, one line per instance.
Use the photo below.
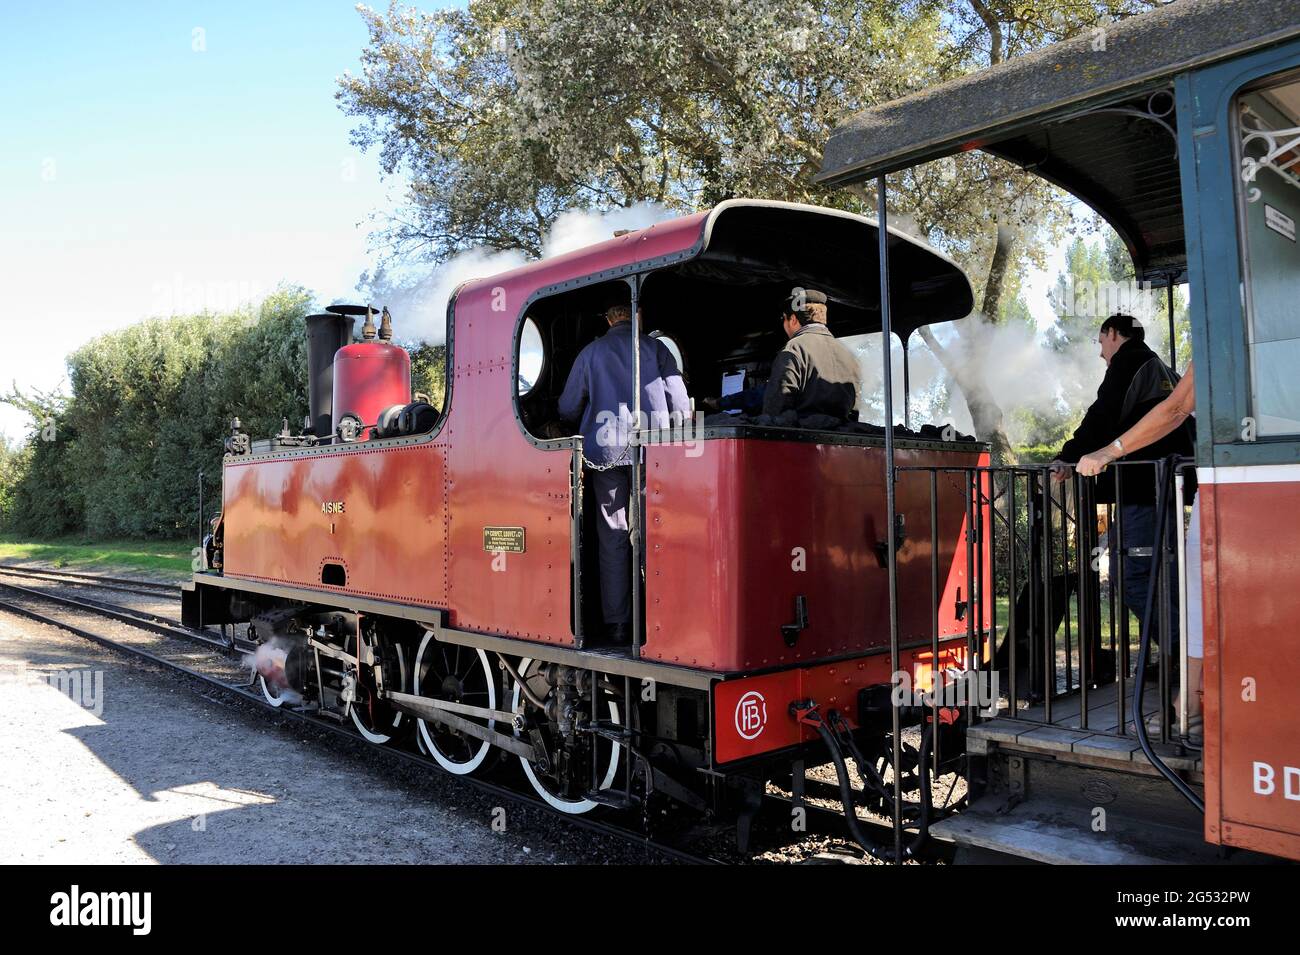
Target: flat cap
(800, 297)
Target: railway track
(136, 618)
(182, 663)
(144, 588)
(179, 656)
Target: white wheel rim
(277, 701)
(379, 739)
(446, 762)
(573, 807)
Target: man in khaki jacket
(814, 373)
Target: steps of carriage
(1082, 747)
(1063, 795)
(1055, 832)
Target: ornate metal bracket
(1277, 143)
(1159, 109)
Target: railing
(1060, 627)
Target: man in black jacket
(1136, 381)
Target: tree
(149, 407)
(36, 487)
(429, 373)
(510, 112)
(12, 466)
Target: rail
(1057, 638)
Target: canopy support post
(891, 531)
(634, 497)
(907, 383)
(1173, 342)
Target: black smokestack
(326, 334)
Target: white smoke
(575, 229)
(420, 309)
(1012, 360)
(269, 661)
(1020, 372)
(1016, 363)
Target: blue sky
(159, 154)
(163, 157)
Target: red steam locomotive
(412, 569)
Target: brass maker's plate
(509, 540)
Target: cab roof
(755, 242)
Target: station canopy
(1093, 114)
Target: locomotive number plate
(509, 540)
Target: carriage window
(531, 357)
(1269, 207)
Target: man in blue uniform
(598, 398)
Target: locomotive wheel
(375, 720)
(556, 794)
(460, 675)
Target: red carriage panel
(1251, 549)
(736, 533)
(377, 512)
(497, 479)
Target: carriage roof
(1079, 113)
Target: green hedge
(149, 408)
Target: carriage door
(1241, 174)
(508, 495)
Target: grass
(1133, 626)
(159, 557)
(1067, 664)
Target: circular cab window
(672, 347)
(531, 357)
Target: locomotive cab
(761, 525)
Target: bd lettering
(1266, 781)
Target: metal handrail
(1050, 569)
